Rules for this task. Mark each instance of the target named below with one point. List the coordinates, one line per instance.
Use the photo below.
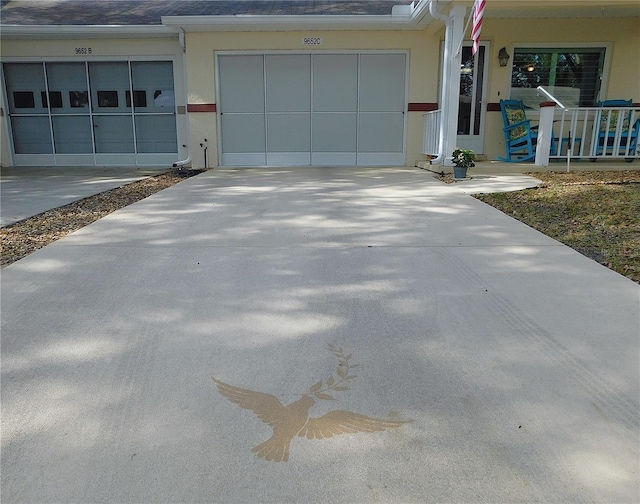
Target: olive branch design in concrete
(293, 419)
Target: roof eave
(291, 23)
(92, 31)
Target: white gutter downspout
(185, 162)
(454, 32)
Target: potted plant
(463, 159)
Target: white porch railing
(431, 145)
(587, 133)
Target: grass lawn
(595, 213)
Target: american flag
(478, 13)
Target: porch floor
(501, 168)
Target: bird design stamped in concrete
(293, 419)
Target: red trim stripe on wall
(422, 107)
(201, 107)
(211, 107)
(412, 107)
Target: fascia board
(93, 31)
(421, 16)
(289, 23)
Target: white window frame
(606, 67)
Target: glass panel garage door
(288, 99)
(29, 118)
(85, 113)
(382, 105)
(335, 109)
(70, 118)
(242, 117)
(319, 109)
(112, 125)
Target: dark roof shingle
(148, 12)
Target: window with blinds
(572, 75)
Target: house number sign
(84, 50)
(313, 41)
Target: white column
(451, 80)
(545, 133)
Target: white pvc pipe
(183, 163)
(183, 45)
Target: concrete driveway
(28, 191)
(443, 351)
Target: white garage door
(312, 109)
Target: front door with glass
(472, 99)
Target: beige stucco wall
(101, 49)
(201, 47)
(622, 77)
